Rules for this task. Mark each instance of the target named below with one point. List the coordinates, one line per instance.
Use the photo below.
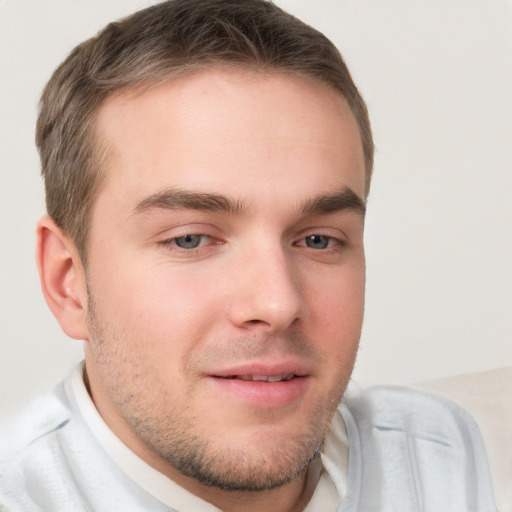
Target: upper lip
(262, 369)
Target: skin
(275, 284)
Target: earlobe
(62, 278)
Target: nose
(267, 294)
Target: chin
(254, 459)
(247, 469)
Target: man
(207, 165)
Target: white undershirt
(327, 495)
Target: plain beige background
(437, 77)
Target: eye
(317, 241)
(320, 242)
(190, 241)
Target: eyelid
(204, 239)
(329, 232)
(166, 239)
(192, 228)
(174, 250)
(333, 242)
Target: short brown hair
(155, 44)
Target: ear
(62, 278)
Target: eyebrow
(345, 199)
(174, 199)
(177, 199)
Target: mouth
(262, 387)
(285, 377)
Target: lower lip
(263, 394)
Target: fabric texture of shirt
(389, 449)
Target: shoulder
(487, 396)
(416, 448)
(29, 446)
(411, 410)
(424, 421)
(41, 418)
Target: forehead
(217, 130)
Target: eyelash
(333, 242)
(171, 244)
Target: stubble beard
(172, 434)
(233, 468)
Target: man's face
(226, 273)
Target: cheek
(336, 303)
(155, 306)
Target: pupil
(317, 241)
(188, 241)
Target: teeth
(264, 378)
